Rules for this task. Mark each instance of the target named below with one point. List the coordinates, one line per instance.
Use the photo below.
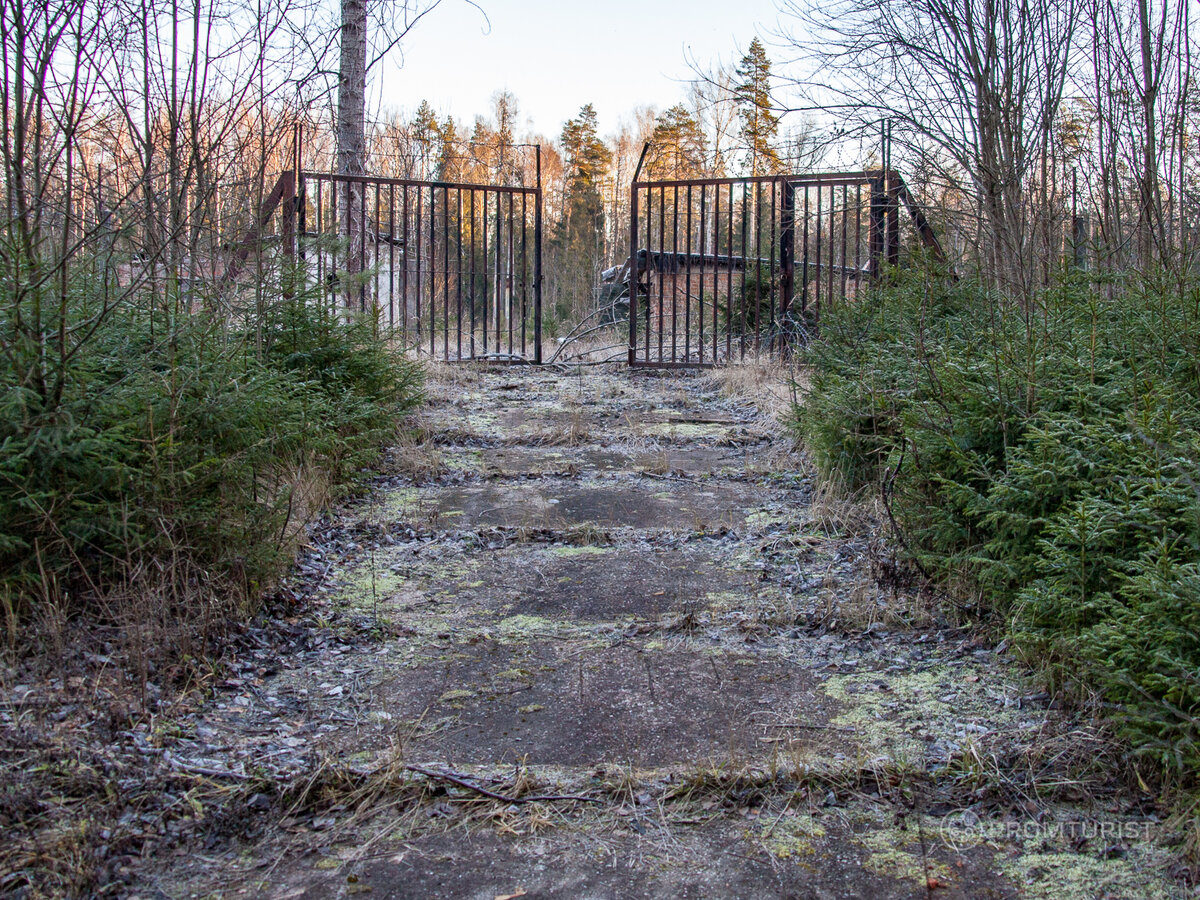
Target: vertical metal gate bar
(804, 278)
(820, 224)
(787, 257)
(341, 244)
(471, 266)
(332, 278)
(703, 235)
(446, 274)
(832, 241)
(771, 290)
(687, 283)
(524, 267)
(649, 274)
(857, 238)
(745, 264)
(320, 212)
(537, 264)
(845, 223)
(432, 304)
(498, 285)
(674, 273)
(483, 221)
(716, 266)
(633, 278)
(378, 318)
(392, 259)
(418, 230)
(892, 192)
(358, 241)
(729, 311)
(405, 254)
(301, 215)
(458, 268)
(662, 240)
(508, 281)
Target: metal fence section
(724, 267)
(452, 269)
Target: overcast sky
(556, 55)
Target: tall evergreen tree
(588, 159)
(426, 132)
(679, 144)
(760, 126)
(578, 241)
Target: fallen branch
(462, 782)
(192, 769)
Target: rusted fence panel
(724, 267)
(454, 269)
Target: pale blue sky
(556, 56)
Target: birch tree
(975, 85)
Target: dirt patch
(644, 851)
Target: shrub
(182, 463)
(1050, 456)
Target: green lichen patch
(903, 854)
(792, 836)
(909, 716)
(685, 431)
(567, 552)
(1083, 876)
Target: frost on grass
(908, 717)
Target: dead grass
(416, 454)
(574, 432)
(443, 376)
(766, 382)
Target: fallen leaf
(520, 893)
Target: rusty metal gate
(724, 267)
(718, 269)
(451, 269)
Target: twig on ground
(463, 782)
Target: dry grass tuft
(766, 382)
(572, 433)
(416, 454)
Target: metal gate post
(537, 264)
(301, 205)
(634, 273)
(891, 189)
(787, 261)
(876, 226)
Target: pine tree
(426, 133)
(507, 168)
(588, 159)
(578, 241)
(448, 155)
(679, 145)
(760, 126)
